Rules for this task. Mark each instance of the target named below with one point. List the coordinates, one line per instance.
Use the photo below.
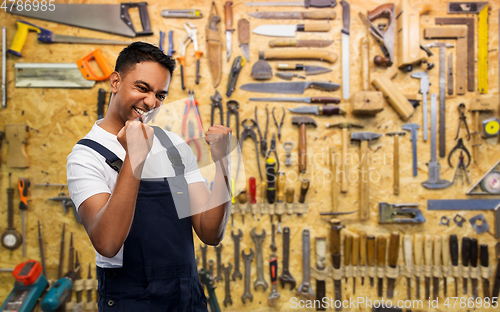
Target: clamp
(192, 138)
(460, 145)
(216, 103)
(281, 123)
(190, 37)
(232, 109)
(191, 103)
(461, 110)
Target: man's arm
(210, 217)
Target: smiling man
(126, 179)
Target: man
(144, 251)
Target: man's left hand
(219, 139)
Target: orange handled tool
(86, 70)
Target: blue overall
(159, 271)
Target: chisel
(362, 256)
(437, 272)
(417, 248)
(474, 270)
(465, 261)
(381, 250)
(392, 271)
(485, 270)
(370, 251)
(446, 261)
(355, 261)
(454, 259)
(408, 255)
(335, 251)
(61, 254)
(427, 264)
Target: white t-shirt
(88, 174)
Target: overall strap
(111, 159)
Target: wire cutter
(192, 138)
(461, 110)
(191, 102)
(281, 123)
(190, 37)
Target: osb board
(58, 118)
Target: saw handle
(382, 11)
(86, 70)
(143, 13)
(23, 28)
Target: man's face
(140, 91)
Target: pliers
(190, 37)
(191, 102)
(281, 123)
(216, 103)
(461, 110)
(192, 138)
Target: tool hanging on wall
(248, 131)
(42, 253)
(289, 87)
(310, 54)
(193, 13)
(47, 36)
(310, 70)
(11, 238)
(23, 185)
(394, 96)
(314, 43)
(302, 121)
(290, 30)
(191, 103)
(450, 74)
(289, 76)
(171, 50)
(4, 67)
(214, 46)
(305, 4)
(263, 138)
(228, 16)
(462, 119)
(244, 37)
(408, 260)
(478, 105)
(424, 90)
(460, 146)
(399, 214)
(434, 181)
(413, 128)
(190, 37)
(489, 183)
(61, 253)
(110, 18)
(385, 39)
(461, 170)
(310, 100)
(490, 127)
(67, 203)
(396, 160)
(238, 63)
(302, 15)
(216, 103)
(481, 9)
(346, 19)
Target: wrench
(286, 277)
(204, 256)
(211, 268)
(218, 250)
(258, 240)
(227, 271)
(305, 290)
(247, 258)
(273, 270)
(236, 242)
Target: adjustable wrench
(227, 271)
(273, 271)
(236, 242)
(305, 289)
(286, 277)
(247, 258)
(218, 250)
(258, 240)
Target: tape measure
(491, 183)
(483, 50)
(491, 127)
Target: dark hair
(138, 52)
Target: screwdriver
(23, 185)
(253, 190)
(271, 182)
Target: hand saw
(110, 18)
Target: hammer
(364, 194)
(396, 135)
(345, 137)
(302, 121)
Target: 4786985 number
(28, 5)
(471, 303)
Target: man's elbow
(106, 249)
(212, 241)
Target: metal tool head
(444, 221)
(258, 236)
(411, 127)
(344, 124)
(459, 220)
(395, 133)
(299, 120)
(440, 45)
(424, 81)
(192, 31)
(248, 256)
(238, 236)
(287, 279)
(365, 136)
(232, 105)
(479, 224)
(400, 214)
(261, 70)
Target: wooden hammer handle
(364, 207)
(302, 148)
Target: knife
(289, 87)
(244, 37)
(280, 43)
(228, 15)
(326, 110)
(290, 30)
(323, 14)
(306, 4)
(312, 100)
(346, 17)
(310, 70)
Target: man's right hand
(137, 140)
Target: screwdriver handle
(281, 187)
(465, 251)
(428, 249)
(355, 250)
(381, 250)
(418, 249)
(454, 249)
(303, 190)
(347, 249)
(253, 190)
(484, 255)
(408, 250)
(393, 249)
(370, 250)
(446, 250)
(437, 250)
(362, 248)
(474, 252)
(23, 185)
